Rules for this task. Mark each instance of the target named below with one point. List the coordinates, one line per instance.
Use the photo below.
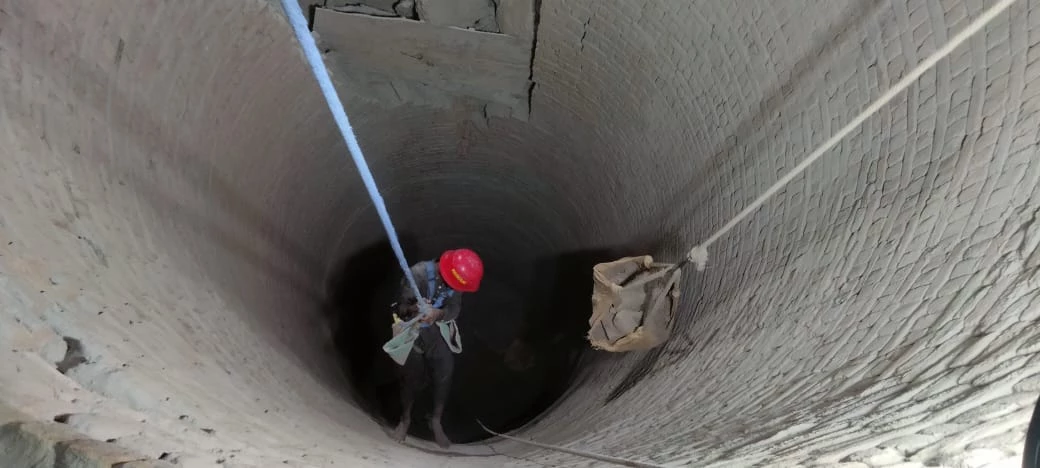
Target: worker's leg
(410, 379)
(442, 364)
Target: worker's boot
(438, 432)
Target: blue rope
(310, 50)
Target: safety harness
(431, 288)
(449, 329)
(405, 333)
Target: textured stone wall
(172, 191)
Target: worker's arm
(448, 311)
(408, 307)
(452, 307)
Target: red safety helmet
(462, 270)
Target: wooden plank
(465, 14)
(471, 63)
(385, 5)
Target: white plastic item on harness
(400, 346)
(629, 302)
(405, 333)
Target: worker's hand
(409, 309)
(433, 316)
(408, 313)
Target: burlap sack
(633, 303)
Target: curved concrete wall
(173, 191)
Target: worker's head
(462, 270)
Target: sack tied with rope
(633, 303)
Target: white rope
(580, 453)
(698, 255)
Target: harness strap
(431, 287)
(431, 281)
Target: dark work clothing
(430, 356)
(408, 308)
(436, 363)
(429, 339)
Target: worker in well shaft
(442, 284)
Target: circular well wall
(176, 198)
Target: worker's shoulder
(420, 267)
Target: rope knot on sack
(698, 256)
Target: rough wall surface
(173, 189)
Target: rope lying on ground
(698, 255)
(580, 453)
